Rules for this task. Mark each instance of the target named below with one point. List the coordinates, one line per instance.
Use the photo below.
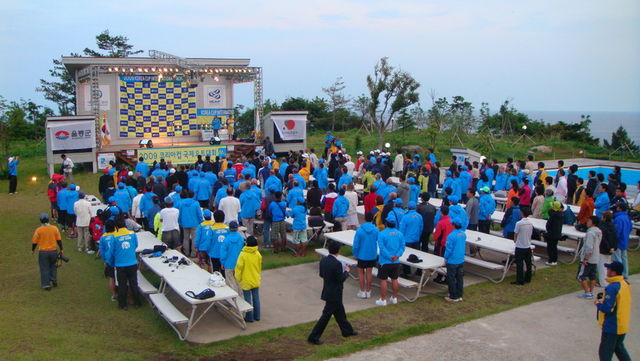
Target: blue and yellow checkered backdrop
(156, 109)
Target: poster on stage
(104, 97)
(204, 117)
(214, 96)
(290, 127)
(187, 155)
(104, 159)
(72, 135)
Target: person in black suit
(333, 275)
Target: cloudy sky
(543, 55)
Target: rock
(411, 148)
(541, 149)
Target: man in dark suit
(333, 275)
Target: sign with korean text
(72, 135)
(187, 155)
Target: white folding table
(496, 244)
(429, 261)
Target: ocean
(602, 123)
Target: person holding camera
(48, 241)
(614, 313)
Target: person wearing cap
(411, 226)
(170, 227)
(229, 252)
(589, 258)
(397, 211)
(614, 314)
(121, 253)
(511, 217)
(623, 227)
(414, 190)
(553, 233)
(175, 195)
(340, 211)
(49, 243)
(71, 197)
(203, 239)
(12, 165)
(104, 242)
(486, 207)
(456, 212)
(219, 231)
(82, 210)
(299, 237)
(454, 259)
(391, 247)
(123, 198)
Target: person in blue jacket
(387, 190)
(397, 211)
(486, 207)
(456, 185)
(123, 198)
(603, 202)
(448, 182)
(294, 195)
(414, 190)
(219, 231)
(411, 227)
(483, 181)
(211, 178)
(322, 176)
(221, 193)
(464, 181)
(283, 169)
(202, 241)
(13, 174)
(146, 203)
(249, 205)
(511, 217)
(158, 172)
(456, 212)
(71, 198)
(623, 229)
(299, 238)
(229, 252)
(454, 259)
(273, 184)
(345, 178)
(230, 173)
(277, 209)
(490, 175)
(339, 211)
(109, 268)
(122, 254)
(142, 167)
(249, 169)
(175, 196)
(298, 178)
(365, 250)
(432, 156)
(501, 180)
(391, 246)
(190, 216)
(202, 191)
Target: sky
(541, 55)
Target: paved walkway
(562, 328)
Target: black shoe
(123, 308)
(54, 283)
(46, 288)
(517, 283)
(354, 333)
(315, 342)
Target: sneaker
(393, 300)
(361, 294)
(381, 302)
(458, 300)
(586, 296)
(114, 298)
(80, 250)
(449, 299)
(368, 294)
(551, 263)
(91, 251)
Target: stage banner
(72, 135)
(205, 117)
(214, 96)
(104, 159)
(156, 109)
(104, 97)
(291, 127)
(187, 155)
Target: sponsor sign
(72, 135)
(290, 127)
(214, 96)
(187, 155)
(104, 97)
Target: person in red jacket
(443, 228)
(96, 229)
(370, 200)
(52, 193)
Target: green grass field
(77, 321)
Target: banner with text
(72, 135)
(291, 127)
(188, 155)
(104, 97)
(214, 96)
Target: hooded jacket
(340, 207)
(202, 240)
(365, 246)
(454, 250)
(623, 229)
(602, 204)
(614, 313)
(487, 207)
(190, 213)
(248, 268)
(231, 248)
(299, 214)
(390, 243)
(411, 226)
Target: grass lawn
(77, 321)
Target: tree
(391, 91)
(360, 106)
(620, 139)
(336, 99)
(462, 118)
(62, 90)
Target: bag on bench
(206, 293)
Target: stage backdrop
(149, 108)
(187, 155)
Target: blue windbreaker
(414, 193)
(143, 168)
(456, 212)
(122, 248)
(344, 180)
(71, 198)
(293, 196)
(204, 234)
(273, 184)
(455, 248)
(230, 250)
(390, 243)
(218, 233)
(365, 242)
(299, 214)
(623, 229)
(249, 203)
(411, 226)
(321, 175)
(501, 182)
(203, 189)
(190, 213)
(123, 199)
(340, 207)
(278, 211)
(487, 206)
(489, 173)
(602, 204)
(105, 243)
(511, 222)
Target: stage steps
(239, 150)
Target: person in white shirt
(350, 165)
(136, 213)
(82, 209)
(398, 164)
(523, 232)
(314, 159)
(67, 168)
(352, 212)
(170, 227)
(230, 205)
(561, 188)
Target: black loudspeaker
(214, 141)
(145, 143)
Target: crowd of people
(199, 208)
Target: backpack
(569, 216)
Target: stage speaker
(145, 143)
(214, 141)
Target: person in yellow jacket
(247, 273)
(614, 313)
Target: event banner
(188, 155)
(72, 135)
(214, 96)
(291, 127)
(206, 116)
(104, 97)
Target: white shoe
(381, 302)
(361, 294)
(80, 250)
(551, 263)
(393, 300)
(91, 252)
(368, 294)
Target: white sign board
(104, 159)
(214, 96)
(104, 97)
(72, 135)
(291, 127)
